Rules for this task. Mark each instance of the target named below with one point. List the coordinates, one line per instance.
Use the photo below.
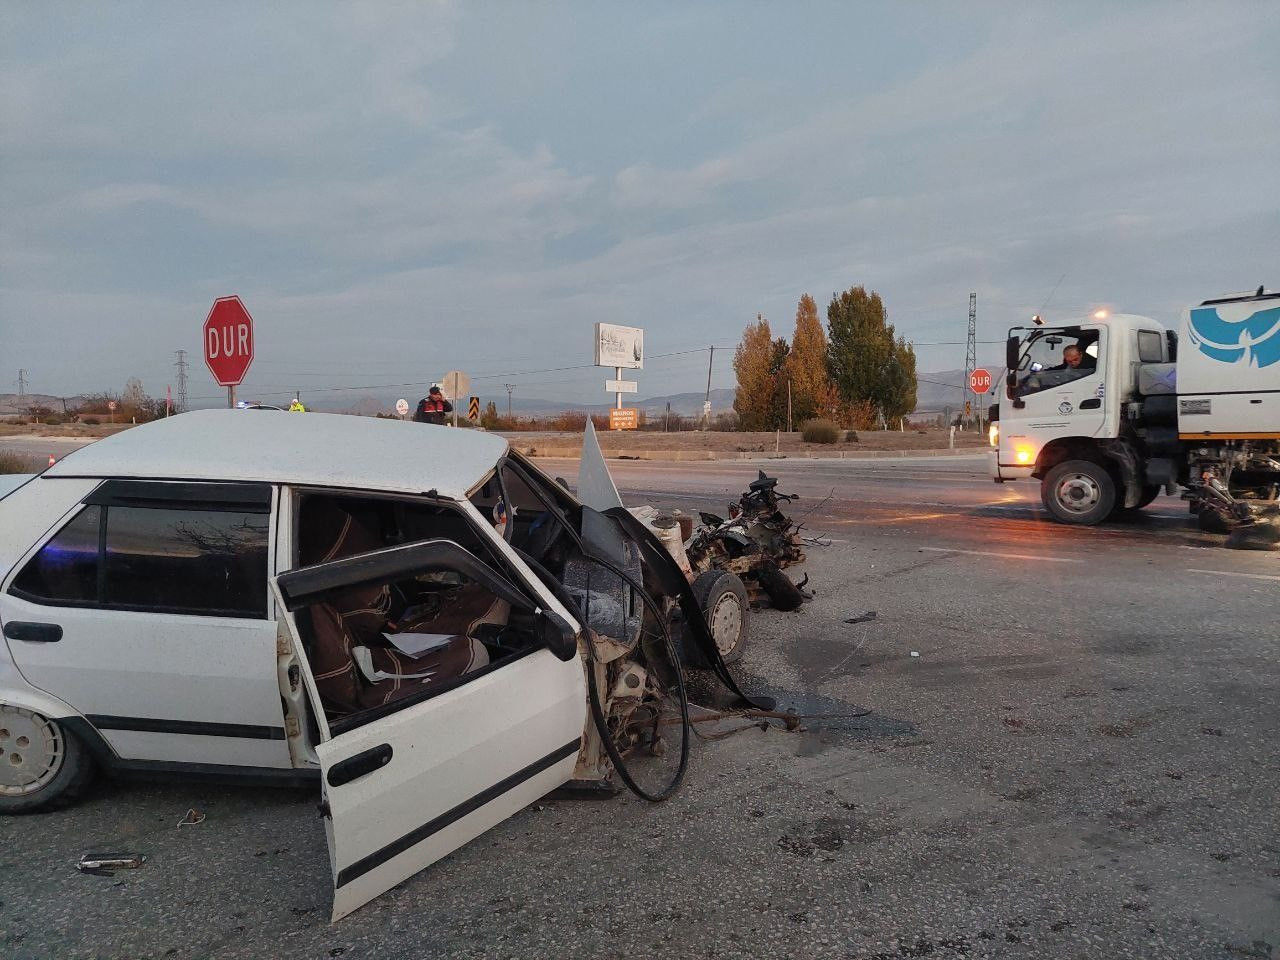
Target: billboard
(619, 346)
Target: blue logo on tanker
(1256, 336)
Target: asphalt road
(1048, 742)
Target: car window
(211, 562)
(202, 562)
(66, 568)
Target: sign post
(455, 384)
(228, 344)
(619, 347)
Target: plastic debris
(191, 818)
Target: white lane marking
(1229, 573)
(1007, 556)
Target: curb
(573, 453)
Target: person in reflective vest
(432, 407)
(296, 406)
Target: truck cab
(1106, 411)
(1063, 403)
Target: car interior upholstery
(362, 643)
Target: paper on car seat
(417, 644)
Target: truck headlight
(993, 433)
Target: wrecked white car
(414, 616)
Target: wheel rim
(32, 750)
(1078, 493)
(726, 622)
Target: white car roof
(321, 449)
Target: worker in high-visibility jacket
(296, 406)
(432, 407)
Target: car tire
(723, 601)
(1079, 492)
(782, 592)
(51, 766)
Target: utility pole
(971, 348)
(182, 380)
(706, 403)
(510, 387)
(788, 404)
(22, 385)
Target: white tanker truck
(1108, 411)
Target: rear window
(186, 561)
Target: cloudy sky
(400, 189)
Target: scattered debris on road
(191, 818)
(862, 617)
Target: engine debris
(755, 542)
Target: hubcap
(1078, 493)
(32, 750)
(726, 622)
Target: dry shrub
(819, 431)
(15, 463)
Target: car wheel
(40, 761)
(782, 592)
(723, 600)
(1078, 491)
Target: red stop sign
(228, 341)
(980, 381)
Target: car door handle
(353, 768)
(33, 632)
(1093, 403)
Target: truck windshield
(1051, 358)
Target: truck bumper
(1000, 472)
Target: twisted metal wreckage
(652, 602)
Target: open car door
(409, 781)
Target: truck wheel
(1149, 493)
(41, 761)
(1078, 491)
(723, 600)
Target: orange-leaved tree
(752, 363)
(806, 368)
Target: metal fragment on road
(106, 864)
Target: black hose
(593, 692)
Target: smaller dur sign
(627, 418)
(619, 347)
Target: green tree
(776, 415)
(806, 365)
(489, 419)
(752, 365)
(870, 367)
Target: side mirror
(558, 634)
